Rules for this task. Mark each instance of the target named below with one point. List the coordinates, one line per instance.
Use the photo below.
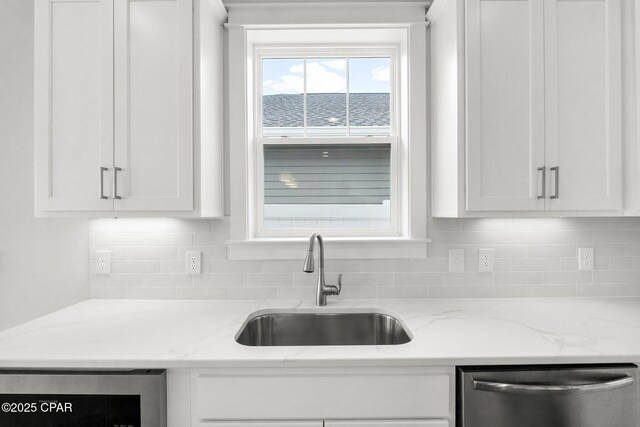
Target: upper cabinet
(117, 91)
(526, 106)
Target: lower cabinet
(266, 424)
(329, 423)
(388, 423)
(322, 397)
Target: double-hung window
(327, 135)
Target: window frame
(258, 141)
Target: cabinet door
(583, 104)
(73, 104)
(153, 105)
(263, 424)
(388, 423)
(505, 105)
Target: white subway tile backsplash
(535, 264)
(219, 280)
(468, 278)
(218, 251)
(152, 293)
(533, 258)
(268, 279)
(260, 292)
(418, 279)
(152, 252)
(297, 292)
(403, 292)
(202, 293)
(120, 266)
(567, 277)
(167, 280)
(519, 278)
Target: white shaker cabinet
(525, 107)
(153, 105)
(118, 87)
(583, 132)
(264, 424)
(73, 104)
(387, 423)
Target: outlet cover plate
(194, 262)
(456, 260)
(485, 260)
(103, 262)
(585, 259)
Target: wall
(42, 261)
(534, 258)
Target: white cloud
(298, 69)
(381, 73)
(288, 83)
(319, 80)
(336, 64)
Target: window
(327, 138)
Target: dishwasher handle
(497, 387)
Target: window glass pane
(326, 97)
(282, 97)
(327, 186)
(369, 96)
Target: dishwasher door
(558, 396)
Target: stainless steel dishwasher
(548, 396)
(74, 398)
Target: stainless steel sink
(304, 328)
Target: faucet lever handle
(339, 287)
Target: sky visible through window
(326, 75)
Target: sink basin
(305, 328)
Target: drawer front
(262, 424)
(320, 393)
(388, 423)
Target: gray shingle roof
(326, 109)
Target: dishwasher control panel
(33, 410)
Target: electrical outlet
(194, 262)
(456, 260)
(485, 260)
(585, 259)
(103, 262)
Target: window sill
(343, 248)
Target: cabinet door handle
(115, 183)
(556, 170)
(101, 189)
(544, 182)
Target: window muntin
(326, 143)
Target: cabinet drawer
(388, 423)
(320, 393)
(263, 424)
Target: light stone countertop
(197, 334)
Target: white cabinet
(505, 95)
(583, 104)
(526, 106)
(414, 396)
(117, 91)
(73, 103)
(388, 423)
(266, 424)
(332, 423)
(153, 105)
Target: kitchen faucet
(323, 289)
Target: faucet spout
(323, 289)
